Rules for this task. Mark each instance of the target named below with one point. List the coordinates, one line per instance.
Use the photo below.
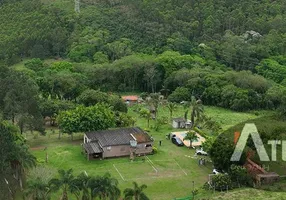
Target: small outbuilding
(179, 123)
(130, 100)
(260, 175)
(117, 143)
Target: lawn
(246, 193)
(168, 174)
(172, 168)
(226, 118)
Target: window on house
(108, 148)
(148, 145)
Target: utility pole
(77, 6)
(193, 190)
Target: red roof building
(130, 98)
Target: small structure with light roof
(130, 100)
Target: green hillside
(63, 71)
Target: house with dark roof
(117, 142)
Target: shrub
(35, 135)
(123, 120)
(239, 175)
(155, 150)
(221, 182)
(34, 64)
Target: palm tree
(153, 101)
(65, 182)
(37, 190)
(146, 114)
(23, 160)
(171, 106)
(191, 135)
(104, 187)
(135, 193)
(81, 184)
(196, 109)
(210, 123)
(186, 106)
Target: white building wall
(175, 124)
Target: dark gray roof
(92, 147)
(119, 136)
(179, 119)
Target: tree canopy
(84, 119)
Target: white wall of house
(175, 124)
(85, 139)
(180, 124)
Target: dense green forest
(229, 54)
(238, 34)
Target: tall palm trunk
(65, 195)
(193, 118)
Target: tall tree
(22, 160)
(64, 182)
(36, 189)
(104, 187)
(81, 183)
(153, 102)
(136, 192)
(191, 136)
(146, 114)
(14, 158)
(83, 119)
(186, 107)
(171, 107)
(196, 109)
(19, 99)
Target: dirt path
(37, 148)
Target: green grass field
(171, 167)
(168, 174)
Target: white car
(215, 172)
(201, 152)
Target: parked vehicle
(215, 172)
(177, 141)
(201, 152)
